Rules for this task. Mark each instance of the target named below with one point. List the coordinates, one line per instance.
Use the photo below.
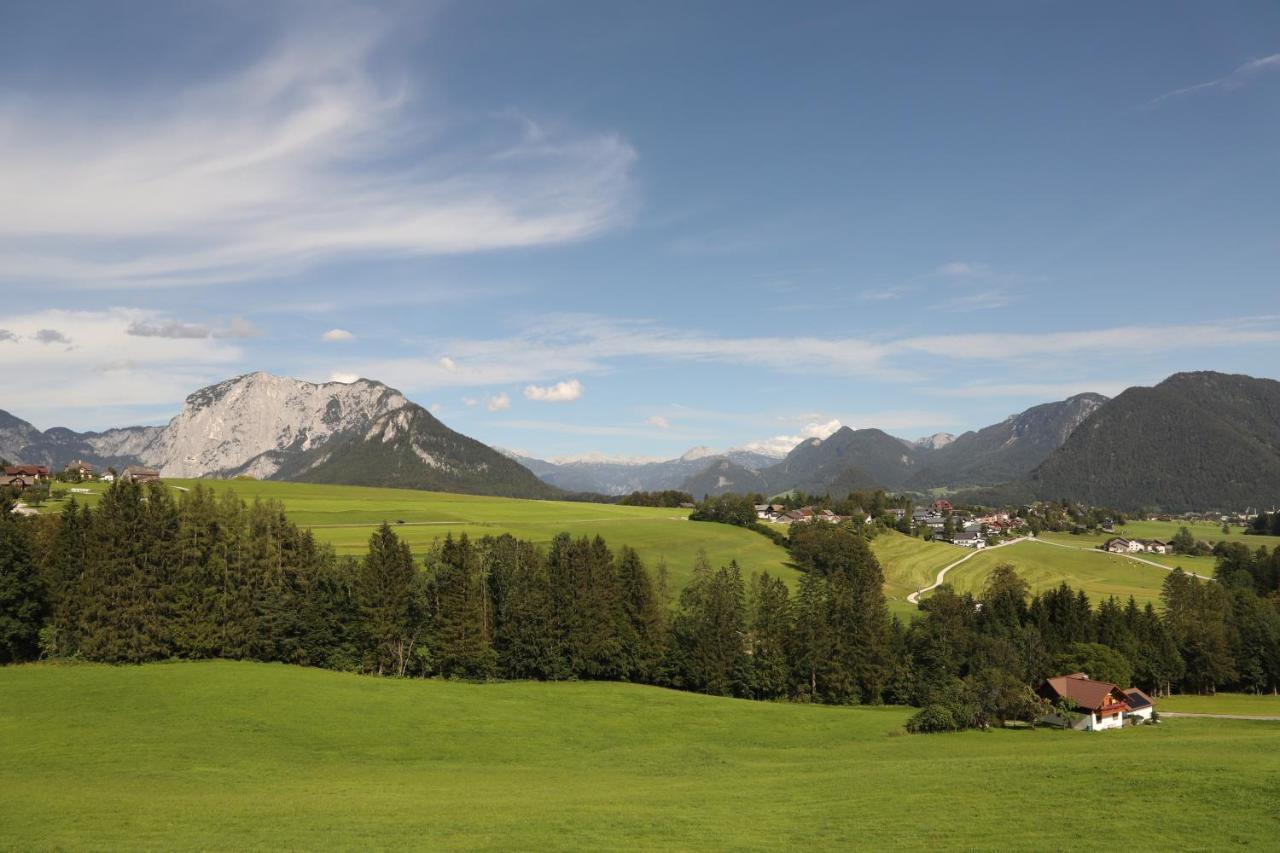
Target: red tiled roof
(1085, 692)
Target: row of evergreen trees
(146, 577)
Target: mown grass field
(910, 564)
(345, 516)
(220, 755)
(1223, 703)
(1166, 530)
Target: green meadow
(221, 756)
(1224, 703)
(345, 516)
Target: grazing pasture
(1267, 705)
(345, 516)
(222, 755)
(1044, 566)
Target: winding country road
(914, 598)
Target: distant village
(944, 522)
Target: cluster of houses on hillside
(967, 530)
(1097, 705)
(779, 514)
(945, 523)
(22, 477)
(1120, 545)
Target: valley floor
(224, 755)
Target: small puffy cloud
(436, 408)
(470, 402)
(498, 402)
(561, 392)
(658, 421)
(448, 363)
(345, 378)
(336, 335)
(52, 336)
(6, 335)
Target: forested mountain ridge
(410, 448)
(1007, 450)
(1195, 441)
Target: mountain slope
(1195, 441)
(274, 427)
(1008, 450)
(846, 459)
(723, 476)
(409, 448)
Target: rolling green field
(345, 516)
(1045, 566)
(909, 563)
(1166, 530)
(224, 755)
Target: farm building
(969, 539)
(135, 474)
(79, 468)
(1101, 704)
(31, 473)
(1140, 705)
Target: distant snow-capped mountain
(614, 476)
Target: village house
(969, 539)
(1119, 545)
(79, 468)
(31, 473)
(1101, 704)
(135, 474)
(15, 481)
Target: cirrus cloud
(322, 147)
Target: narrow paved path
(914, 598)
(1220, 716)
(1127, 556)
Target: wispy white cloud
(561, 392)
(560, 345)
(336, 336)
(1241, 76)
(983, 300)
(498, 402)
(169, 327)
(659, 421)
(1043, 391)
(311, 152)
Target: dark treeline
(146, 577)
(666, 498)
(1265, 524)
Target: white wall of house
(1098, 723)
(1143, 714)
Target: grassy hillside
(909, 563)
(1098, 573)
(247, 756)
(346, 515)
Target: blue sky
(630, 228)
